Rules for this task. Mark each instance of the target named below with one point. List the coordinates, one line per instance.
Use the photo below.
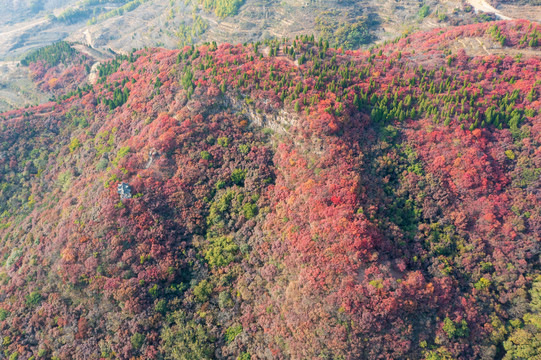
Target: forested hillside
(288, 200)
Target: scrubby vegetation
(127, 7)
(189, 32)
(348, 34)
(74, 15)
(352, 204)
(92, 13)
(222, 8)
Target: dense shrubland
(58, 68)
(389, 207)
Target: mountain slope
(126, 24)
(122, 25)
(306, 203)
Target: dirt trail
(95, 54)
(482, 5)
(25, 27)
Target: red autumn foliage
(350, 206)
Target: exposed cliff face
(278, 121)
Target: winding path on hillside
(21, 28)
(482, 5)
